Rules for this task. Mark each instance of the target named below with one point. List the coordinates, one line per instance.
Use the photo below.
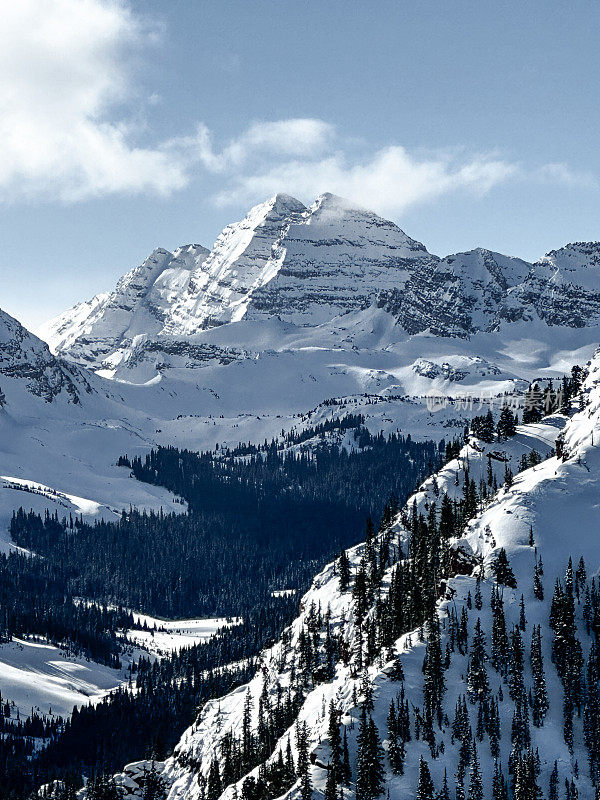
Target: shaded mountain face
(27, 361)
(307, 267)
(460, 295)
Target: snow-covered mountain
(461, 294)
(563, 287)
(302, 266)
(548, 514)
(61, 428)
(288, 276)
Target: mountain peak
(282, 203)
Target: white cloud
(390, 181)
(263, 141)
(64, 66)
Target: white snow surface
(39, 676)
(165, 636)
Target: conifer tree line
(538, 403)
(249, 475)
(506, 653)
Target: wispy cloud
(263, 142)
(390, 181)
(560, 173)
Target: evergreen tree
(396, 742)
(503, 571)
(369, 765)
(538, 586)
(303, 765)
(336, 767)
(475, 784)
(347, 770)
(515, 664)
(477, 681)
(343, 566)
(425, 789)
(499, 787)
(540, 695)
(553, 787)
(525, 778)
(433, 670)
(506, 427)
(103, 787)
(153, 785)
(214, 786)
(444, 793)
(522, 618)
(499, 635)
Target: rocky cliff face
(564, 286)
(460, 295)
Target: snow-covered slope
(550, 512)
(303, 266)
(61, 431)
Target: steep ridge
(563, 286)
(137, 306)
(461, 294)
(336, 260)
(548, 511)
(283, 261)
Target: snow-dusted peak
(461, 294)
(190, 255)
(276, 208)
(282, 203)
(358, 223)
(91, 331)
(577, 263)
(310, 266)
(481, 266)
(564, 285)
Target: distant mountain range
(307, 268)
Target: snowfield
(35, 675)
(165, 636)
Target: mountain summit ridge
(308, 266)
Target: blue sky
(129, 125)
